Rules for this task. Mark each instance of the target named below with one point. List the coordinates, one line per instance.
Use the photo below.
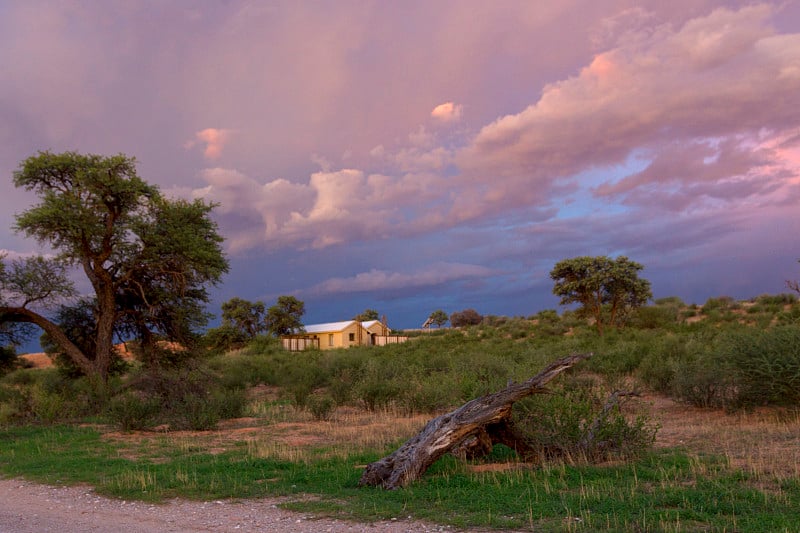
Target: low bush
(131, 411)
(718, 303)
(191, 397)
(765, 365)
(13, 405)
(655, 317)
(321, 406)
(576, 423)
(704, 383)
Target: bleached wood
(476, 420)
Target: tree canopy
(147, 258)
(242, 320)
(467, 317)
(606, 289)
(438, 318)
(244, 316)
(285, 316)
(367, 315)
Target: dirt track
(30, 508)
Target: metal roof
(328, 326)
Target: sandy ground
(30, 508)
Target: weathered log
(484, 420)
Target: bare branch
(446, 432)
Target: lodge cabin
(331, 335)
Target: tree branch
(446, 432)
(21, 314)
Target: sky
(413, 156)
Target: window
(352, 337)
(330, 339)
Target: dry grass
(280, 431)
(765, 443)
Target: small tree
(607, 289)
(438, 318)
(284, 317)
(467, 317)
(245, 317)
(367, 315)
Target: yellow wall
(328, 340)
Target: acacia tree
(607, 289)
(148, 259)
(242, 320)
(283, 318)
(367, 315)
(244, 316)
(438, 318)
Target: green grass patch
(664, 491)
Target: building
(345, 334)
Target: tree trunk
(472, 428)
(21, 314)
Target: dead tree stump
(471, 429)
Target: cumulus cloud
(447, 112)
(214, 140)
(664, 89)
(375, 280)
(252, 213)
(331, 208)
(682, 100)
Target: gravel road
(31, 508)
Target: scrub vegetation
(264, 421)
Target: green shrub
(13, 405)
(660, 317)
(196, 412)
(559, 425)
(9, 414)
(189, 397)
(24, 376)
(671, 301)
(376, 394)
(667, 355)
(228, 403)
(131, 411)
(765, 365)
(264, 345)
(721, 303)
(49, 407)
(704, 383)
(777, 299)
(428, 394)
(321, 407)
(341, 384)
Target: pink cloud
(447, 112)
(214, 139)
(726, 76)
(703, 103)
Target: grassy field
(308, 423)
(710, 471)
